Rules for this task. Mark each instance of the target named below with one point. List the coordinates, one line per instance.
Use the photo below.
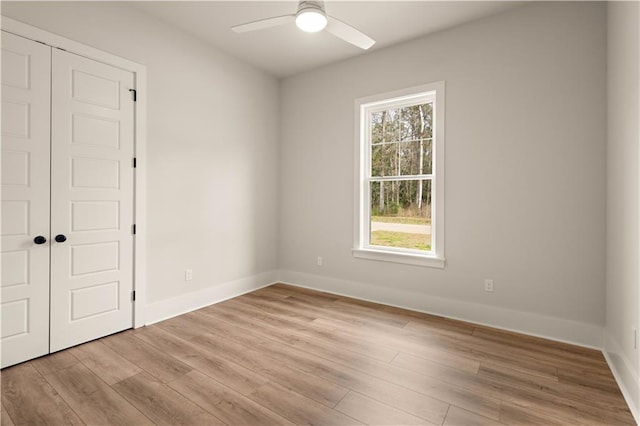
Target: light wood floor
(283, 355)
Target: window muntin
(398, 179)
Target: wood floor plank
(547, 395)
(459, 417)
(441, 325)
(246, 352)
(162, 366)
(163, 405)
(486, 406)
(372, 315)
(471, 347)
(296, 304)
(429, 354)
(600, 380)
(601, 398)
(241, 313)
(104, 362)
(545, 351)
(528, 351)
(54, 362)
(272, 291)
(226, 404)
(463, 385)
(422, 346)
(292, 306)
(286, 374)
(5, 419)
(402, 340)
(277, 307)
(476, 348)
(511, 414)
(428, 367)
(434, 387)
(350, 374)
(330, 318)
(323, 299)
(370, 411)
(436, 346)
(390, 312)
(231, 374)
(537, 343)
(298, 409)
(93, 400)
(29, 399)
(457, 377)
(313, 295)
(553, 400)
(180, 326)
(436, 321)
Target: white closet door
(24, 311)
(91, 200)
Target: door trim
(140, 143)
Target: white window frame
(433, 92)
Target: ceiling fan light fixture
(311, 17)
(311, 20)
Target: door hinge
(133, 229)
(134, 94)
(133, 295)
(135, 162)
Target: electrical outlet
(319, 261)
(188, 274)
(488, 285)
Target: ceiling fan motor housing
(316, 5)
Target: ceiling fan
(312, 18)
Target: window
(400, 177)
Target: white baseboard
(165, 309)
(624, 373)
(562, 330)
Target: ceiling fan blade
(263, 23)
(349, 34)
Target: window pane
(427, 156)
(376, 127)
(390, 123)
(384, 159)
(401, 214)
(409, 123)
(409, 157)
(401, 141)
(415, 157)
(416, 122)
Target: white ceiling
(285, 50)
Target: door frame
(139, 143)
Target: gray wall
(525, 163)
(212, 145)
(525, 171)
(623, 190)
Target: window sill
(406, 258)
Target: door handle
(39, 239)
(60, 238)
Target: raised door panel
(24, 306)
(92, 200)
